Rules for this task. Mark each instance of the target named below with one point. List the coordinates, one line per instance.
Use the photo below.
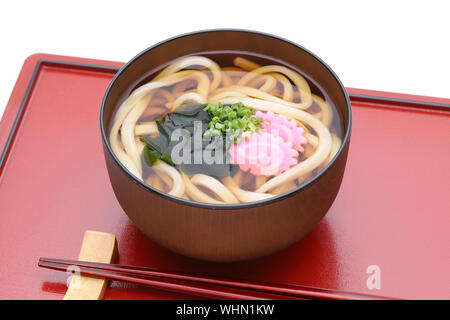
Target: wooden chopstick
(187, 288)
(211, 287)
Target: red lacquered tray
(393, 209)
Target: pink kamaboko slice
(281, 126)
(264, 154)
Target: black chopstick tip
(42, 261)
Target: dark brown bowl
(225, 232)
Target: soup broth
(225, 127)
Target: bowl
(225, 233)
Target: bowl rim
(227, 206)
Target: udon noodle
(197, 79)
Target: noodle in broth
(268, 89)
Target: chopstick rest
(96, 247)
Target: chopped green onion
(236, 120)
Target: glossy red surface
(392, 210)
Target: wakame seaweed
(183, 117)
(152, 153)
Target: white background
(400, 46)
